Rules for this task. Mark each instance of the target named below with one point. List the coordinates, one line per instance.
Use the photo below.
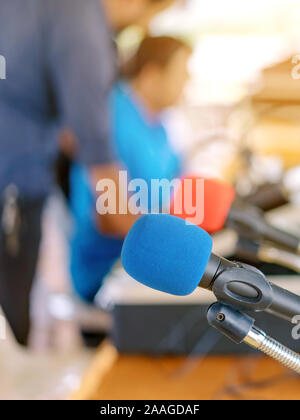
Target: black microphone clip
(238, 285)
(245, 288)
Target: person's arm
(113, 224)
(82, 63)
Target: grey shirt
(60, 66)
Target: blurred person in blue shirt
(154, 80)
(60, 64)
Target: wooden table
(121, 377)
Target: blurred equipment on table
(271, 196)
(220, 210)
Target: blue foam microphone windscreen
(167, 254)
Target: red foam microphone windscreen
(204, 202)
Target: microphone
(268, 197)
(271, 196)
(268, 253)
(165, 253)
(222, 209)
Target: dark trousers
(17, 271)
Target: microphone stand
(250, 223)
(240, 288)
(268, 253)
(240, 328)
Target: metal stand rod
(260, 341)
(240, 328)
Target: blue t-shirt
(143, 149)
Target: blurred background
(237, 119)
